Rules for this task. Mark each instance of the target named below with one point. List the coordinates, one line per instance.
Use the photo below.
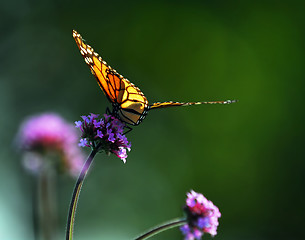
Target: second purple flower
(202, 216)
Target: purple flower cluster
(106, 134)
(47, 135)
(202, 216)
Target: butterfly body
(129, 104)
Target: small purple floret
(78, 124)
(83, 143)
(202, 217)
(100, 134)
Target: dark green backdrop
(248, 158)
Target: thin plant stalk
(47, 202)
(35, 185)
(165, 226)
(44, 207)
(76, 192)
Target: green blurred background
(248, 158)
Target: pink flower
(202, 216)
(44, 136)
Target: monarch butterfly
(128, 102)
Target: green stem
(76, 192)
(47, 202)
(35, 202)
(44, 207)
(165, 226)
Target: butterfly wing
(129, 103)
(132, 105)
(175, 104)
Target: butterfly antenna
(177, 104)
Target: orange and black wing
(129, 103)
(177, 104)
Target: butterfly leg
(129, 129)
(108, 111)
